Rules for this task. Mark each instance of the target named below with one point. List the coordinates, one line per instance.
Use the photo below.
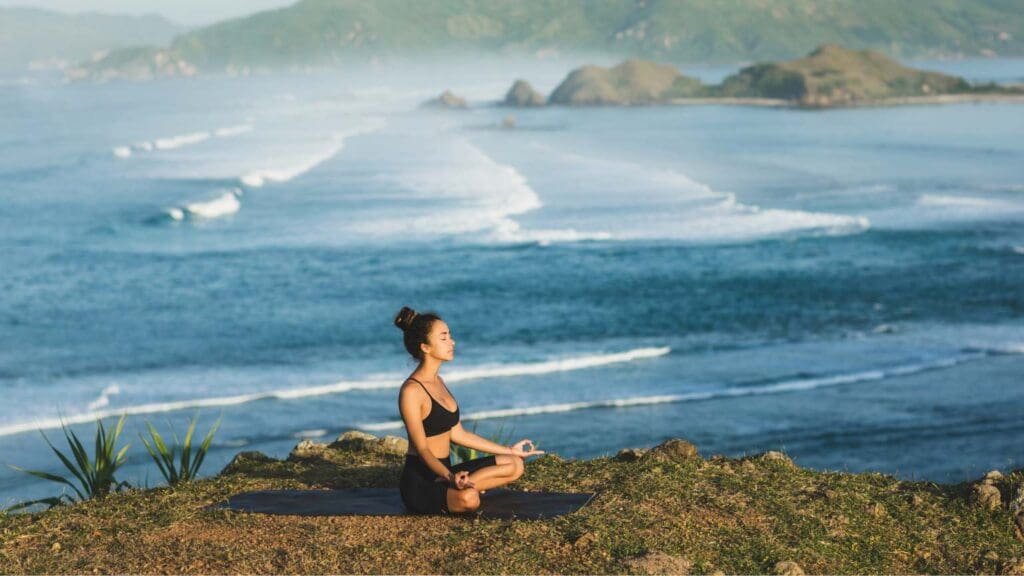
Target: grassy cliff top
(664, 510)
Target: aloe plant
(464, 454)
(187, 466)
(96, 477)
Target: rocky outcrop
(447, 100)
(833, 75)
(633, 82)
(355, 440)
(672, 450)
(522, 95)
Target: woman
(430, 484)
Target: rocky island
(830, 76)
(664, 510)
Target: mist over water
(842, 285)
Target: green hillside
(317, 32)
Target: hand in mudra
(525, 448)
(461, 481)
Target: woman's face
(440, 343)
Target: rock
(775, 456)
(658, 563)
(307, 449)
(353, 440)
(55, 548)
(832, 75)
(522, 95)
(718, 573)
(630, 454)
(992, 477)
(916, 500)
(243, 459)
(788, 568)
(673, 449)
(394, 445)
(987, 495)
(354, 435)
(446, 100)
(630, 83)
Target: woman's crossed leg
(507, 469)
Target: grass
(738, 515)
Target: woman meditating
(430, 484)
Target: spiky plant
(187, 466)
(96, 477)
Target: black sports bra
(438, 421)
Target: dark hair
(415, 329)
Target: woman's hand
(460, 480)
(525, 448)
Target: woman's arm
(463, 437)
(409, 406)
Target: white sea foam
(104, 397)
(224, 205)
(482, 372)
(232, 130)
(316, 433)
(182, 140)
(173, 142)
(936, 200)
(1018, 249)
(176, 214)
(679, 207)
(775, 388)
(296, 167)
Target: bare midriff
(439, 446)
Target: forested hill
(317, 32)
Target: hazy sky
(190, 12)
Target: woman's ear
(425, 348)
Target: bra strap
(424, 388)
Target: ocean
(842, 285)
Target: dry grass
(735, 515)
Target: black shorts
(423, 492)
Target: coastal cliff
(659, 510)
(830, 76)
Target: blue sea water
(842, 285)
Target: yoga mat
(497, 503)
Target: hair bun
(404, 318)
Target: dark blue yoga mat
(497, 503)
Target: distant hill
(40, 38)
(630, 83)
(829, 76)
(833, 75)
(327, 32)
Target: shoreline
(938, 99)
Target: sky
(188, 12)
